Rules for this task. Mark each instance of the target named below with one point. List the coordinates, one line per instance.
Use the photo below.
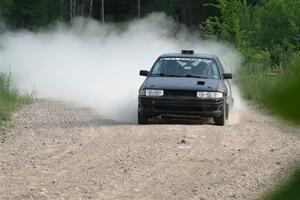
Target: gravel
(59, 151)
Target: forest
(265, 32)
(37, 13)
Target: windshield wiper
(195, 76)
(173, 75)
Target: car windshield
(186, 67)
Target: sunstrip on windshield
(189, 59)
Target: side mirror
(144, 73)
(227, 76)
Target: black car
(185, 84)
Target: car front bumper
(187, 106)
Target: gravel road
(56, 151)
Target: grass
(254, 81)
(277, 90)
(10, 99)
(257, 76)
(273, 87)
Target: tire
(220, 121)
(142, 118)
(227, 111)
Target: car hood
(182, 83)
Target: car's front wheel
(142, 118)
(220, 121)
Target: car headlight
(210, 95)
(142, 92)
(151, 93)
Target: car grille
(180, 93)
(186, 108)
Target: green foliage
(231, 11)
(254, 76)
(277, 28)
(30, 13)
(290, 191)
(233, 24)
(188, 12)
(268, 36)
(284, 99)
(273, 25)
(277, 22)
(10, 98)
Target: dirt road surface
(56, 151)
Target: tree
(30, 13)
(139, 8)
(234, 22)
(103, 11)
(71, 10)
(278, 21)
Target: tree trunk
(71, 10)
(82, 8)
(139, 8)
(91, 9)
(62, 9)
(74, 8)
(102, 12)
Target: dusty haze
(97, 65)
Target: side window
(214, 71)
(157, 67)
(221, 68)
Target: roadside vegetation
(267, 34)
(10, 99)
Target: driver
(201, 69)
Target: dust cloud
(97, 65)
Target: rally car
(185, 84)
